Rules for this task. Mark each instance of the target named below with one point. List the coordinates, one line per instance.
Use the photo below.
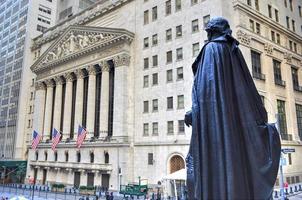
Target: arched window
(106, 157)
(78, 157)
(66, 156)
(91, 157)
(56, 156)
(37, 155)
(176, 163)
(45, 155)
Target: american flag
(56, 136)
(81, 136)
(36, 140)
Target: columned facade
(82, 92)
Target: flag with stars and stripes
(81, 136)
(56, 136)
(36, 140)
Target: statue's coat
(234, 153)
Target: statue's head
(218, 26)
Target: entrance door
(44, 176)
(77, 178)
(105, 180)
(90, 179)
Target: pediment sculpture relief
(75, 41)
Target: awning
(12, 163)
(178, 175)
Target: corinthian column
(79, 100)
(67, 105)
(58, 103)
(91, 100)
(48, 109)
(120, 103)
(39, 107)
(104, 103)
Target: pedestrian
(111, 196)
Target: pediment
(77, 41)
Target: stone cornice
(247, 9)
(99, 9)
(77, 41)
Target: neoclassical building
(122, 69)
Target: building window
(45, 156)
(55, 156)
(106, 155)
(290, 45)
(193, 2)
(285, 3)
(169, 75)
(299, 10)
(273, 36)
(269, 7)
(41, 28)
(299, 119)
(249, 2)
(295, 79)
(170, 127)
(180, 102)
(195, 49)
(146, 81)
(278, 38)
(169, 103)
(169, 35)
(155, 61)
(91, 157)
(290, 161)
(155, 128)
(257, 5)
(277, 15)
(66, 156)
(146, 42)
(146, 63)
(155, 105)
(154, 13)
(178, 31)
(282, 119)
(181, 126)
(252, 25)
(168, 7)
(169, 57)
(154, 40)
(195, 27)
(293, 25)
(287, 22)
(78, 157)
(155, 79)
(146, 17)
(146, 129)
(256, 65)
(150, 158)
(258, 28)
(179, 72)
(179, 54)
(177, 5)
(291, 5)
(176, 163)
(277, 73)
(146, 107)
(36, 155)
(206, 20)
(295, 47)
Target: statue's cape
(234, 153)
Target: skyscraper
(20, 21)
